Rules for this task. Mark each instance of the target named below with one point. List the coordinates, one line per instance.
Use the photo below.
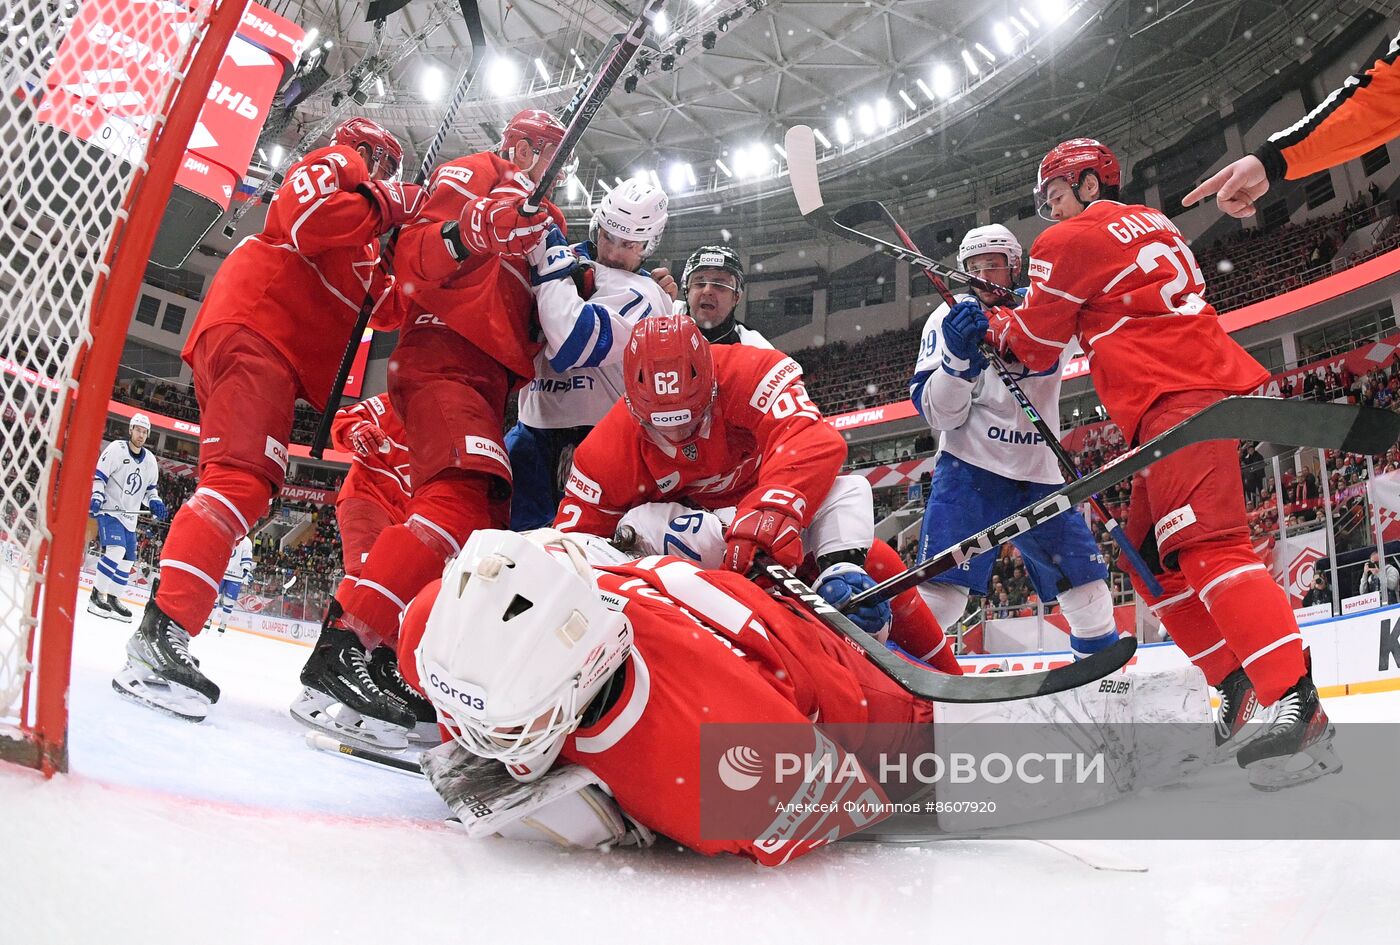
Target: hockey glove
(842, 581)
(158, 509)
(964, 327)
(397, 203)
(999, 325)
(367, 439)
(553, 258)
(95, 506)
(494, 225)
(772, 524)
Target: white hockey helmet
(139, 420)
(517, 644)
(993, 238)
(634, 210)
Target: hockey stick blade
(918, 680)
(323, 742)
(1289, 422)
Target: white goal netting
(85, 83)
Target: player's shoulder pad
(472, 175)
(752, 377)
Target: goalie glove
(397, 202)
(368, 439)
(771, 524)
(494, 226)
(842, 581)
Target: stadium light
(379, 85)
(1054, 11)
(539, 67)
(865, 119)
(971, 63)
(276, 154)
(923, 87)
(690, 174)
(655, 179)
(843, 130)
(1029, 18)
(573, 188)
(724, 168)
(1020, 27)
(1006, 42)
(504, 76)
(817, 133)
(740, 157)
(884, 112)
(675, 178)
(578, 60)
(431, 84)
(310, 39)
(985, 51)
(909, 102)
(782, 152)
(604, 184)
(943, 83)
(662, 24)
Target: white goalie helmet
(634, 210)
(993, 238)
(517, 644)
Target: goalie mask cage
(100, 99)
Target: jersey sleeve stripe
(571, 352)
(604, 343)
(99, 474)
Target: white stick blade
(802, 168)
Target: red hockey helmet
(1070, 160)
(670, 376)
(386, 154)
(536, 126)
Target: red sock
(1191, 626)
(915, 628)
(1252, 612)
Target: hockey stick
(875, 210)
(472, 15)
(1301, 423)
(919, 680)
(592, 99)
(378, 759)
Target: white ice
(233, 831)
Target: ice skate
(342, 698)
(1238, 706)
(118, 609)
(159, 671)
(1296, 747)
(384, 670)
(97, 604)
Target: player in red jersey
(534, 657)
(465, 345)
(278, 314)
(732, 426)
(1121, 279)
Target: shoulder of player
(342, 158)
(472, 174)
(749, 376)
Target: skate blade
(100, 611)
(425, 733)
(320, 711)
(140, 686)
(1315, 761)
(118, 617)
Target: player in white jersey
(588, 296)
(124, 482)
(991, 462)
(713, 282)
(239, 570)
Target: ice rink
(234, 831)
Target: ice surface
(233, 831)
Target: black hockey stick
(323, 742)
(934, 686)
(1289, 422)
(472, 15)
(873, 210)
(592, 99)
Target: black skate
(1296, 747)
(119, 610)
(97, 604)
(1238, 704)
(159, 671)
(384, 670)
(342, 698)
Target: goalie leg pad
(202, 537)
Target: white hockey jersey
(240, 563)
(980, 421)
(578, 374)
(125, 481)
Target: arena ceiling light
(1020, 27)
(1055, 12)
(908, 102)
(539, 67)
(971, 63)
(923, 87)
(662, 24)
(504, 76)
(843, 130)
(432, 84)
(573, 189)
(943, 82)
(1029, 18)
(1006, 41)
(985, 52)
(865, 120)
(724, 168)
(825, 142)
(884, 112)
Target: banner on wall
(1385, 496)
(1294, 559)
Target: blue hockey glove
(95, 506)
(158, 509)
(553, 259)
(840, 582)
(964, 327)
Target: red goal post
(100, 100)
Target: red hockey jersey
(764, 432)
(381, 478)
(485, 299)
(1122, 280)
(300, 282)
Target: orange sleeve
(1361, 115)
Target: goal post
(100, 100)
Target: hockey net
(100, 98)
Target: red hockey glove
(397, 202)
(368, 439)
(494, 225)
(772, 524)
(998, 328)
